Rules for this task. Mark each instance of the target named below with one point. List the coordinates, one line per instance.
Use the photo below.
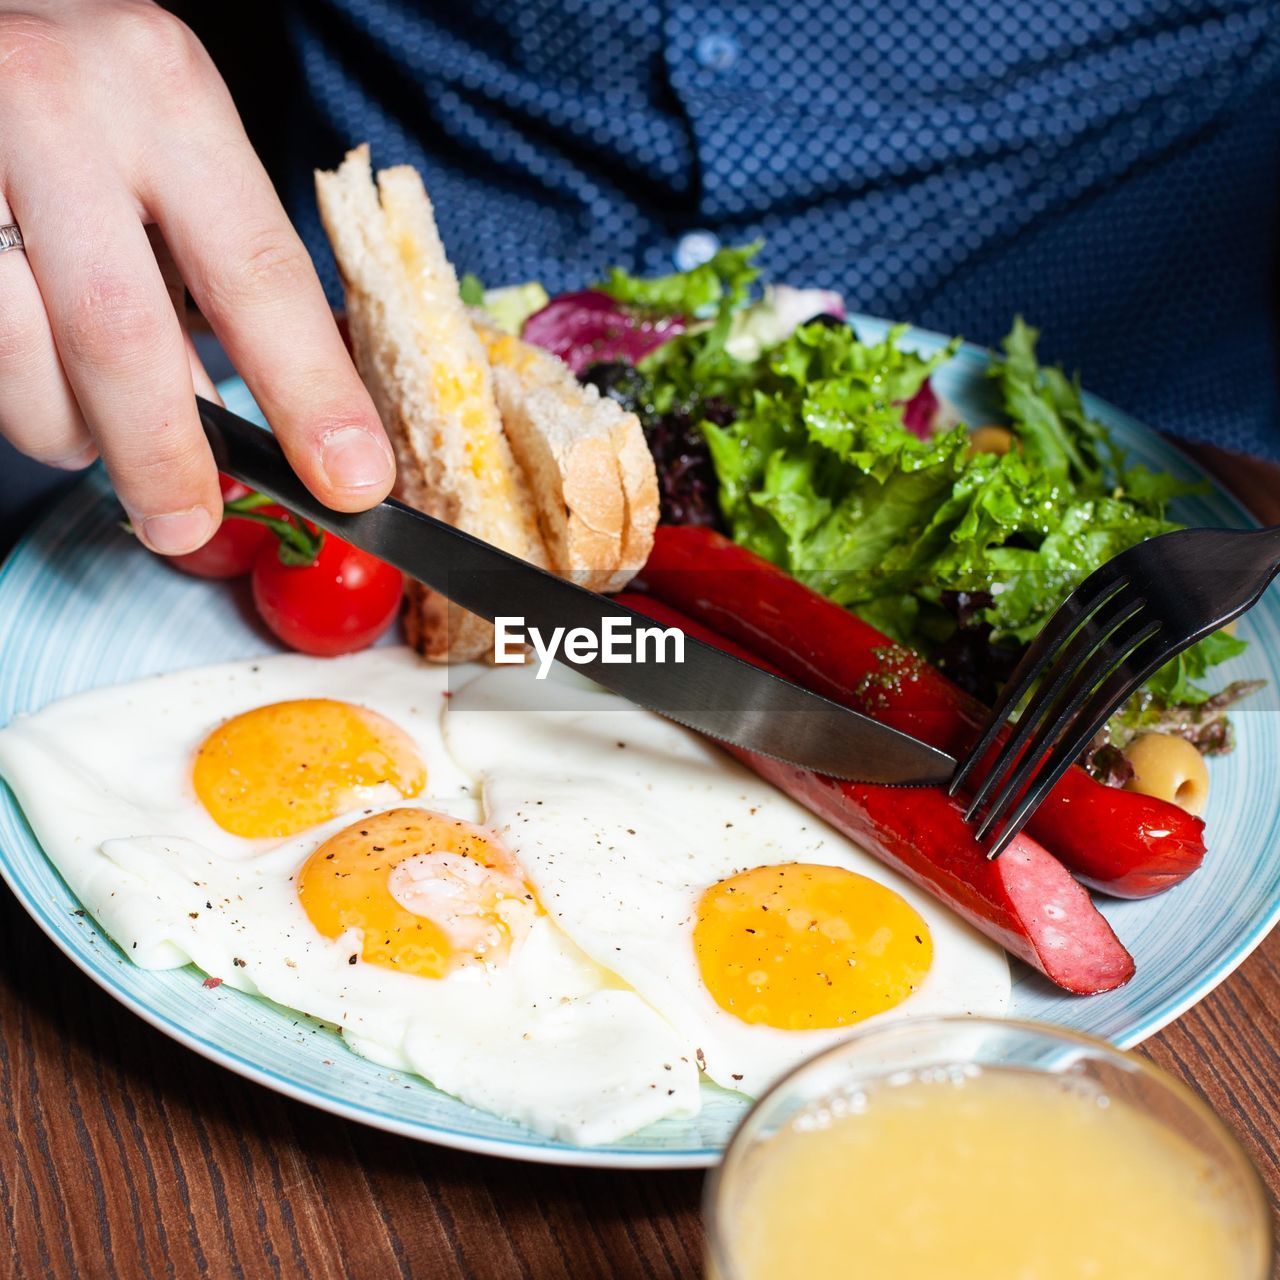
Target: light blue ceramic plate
(80, 606)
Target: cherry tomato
(231, 551)
(340, 602)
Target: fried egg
(296, 828)
(757, 931)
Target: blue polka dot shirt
(1108, 168)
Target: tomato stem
(299, 546)
(247, 502)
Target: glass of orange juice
(964, 1147)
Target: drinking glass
(838, 1078)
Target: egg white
(549, 1038)
(622, 819)
(128, 749)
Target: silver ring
(10, 238)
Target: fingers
(91, 351)
(200, 380)
(172, 278)
(38, 413)
(121, 348)
(251, 277)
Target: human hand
(124, 163)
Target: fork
(1117, 628)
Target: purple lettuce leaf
(589, 327)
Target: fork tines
(1089, 657)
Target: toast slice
(427, 370)
(491, 434)
(589, 469)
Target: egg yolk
(803, 946)
(280, 769)
(428, 892)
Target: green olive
(1170, 768)
(991, 439)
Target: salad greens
(962, 555)
(792, 439)
(471, 290)
(511, 306)
(725, 278)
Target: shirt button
(695, 248)
(716, 52)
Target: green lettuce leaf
(818, 475)
(1177, 684)
(471, 290)
(512, 305)
(725, 277)
(1058, 438)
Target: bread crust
(640, 488)
(589, 468)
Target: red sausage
(1025, 900)
(1122, 843)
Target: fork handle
(1270, 539)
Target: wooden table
(125, 1155)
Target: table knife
(710, 690)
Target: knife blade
(710, 690)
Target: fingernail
(354, 459)
(178, 531)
